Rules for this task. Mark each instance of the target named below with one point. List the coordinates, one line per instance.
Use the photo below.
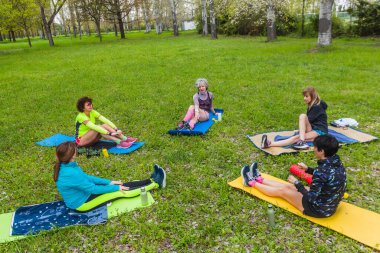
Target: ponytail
(63, 153)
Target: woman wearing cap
(202, 107)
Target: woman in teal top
(88, 133)
(84, 192)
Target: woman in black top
(311, 124)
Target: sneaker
(155, 171)
(246, 175)
(254, 170)
(187, 126)
(264, 141)
(301, 145)
(131, 139)
(124, 144)
(180, 126)
(160, 177)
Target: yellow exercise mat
(355, 136)
(352, 221)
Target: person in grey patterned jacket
(327, 187)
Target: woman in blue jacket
(84, 192)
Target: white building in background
(188, 25)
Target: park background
(144, 83)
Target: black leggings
(132, 185)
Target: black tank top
(205, 104)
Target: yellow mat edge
(371, 239)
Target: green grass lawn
(144, 84)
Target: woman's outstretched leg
(288, 192)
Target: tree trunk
(72, 19)
(9, 36)
(137, 15)
(46, 26)
(27, 35)
(78, 21)
(146, 16)
(157, 17)
(13, 36)
(204, 18)
(1, 36)
(271, 22)
(303, 19)
(115, 27)
(214, 36)
(324, 27)
(64, 26)
(174, 14)
(120, 22)
(97, 23)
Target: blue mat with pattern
(43, 217)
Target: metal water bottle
(271, 221)
(144, 196)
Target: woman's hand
(118, 131)
(302, 166)
(116, 182)
(123, 188)
(292, 179)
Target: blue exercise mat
(57, 139)
(43, 217)
(199, 128)
(339, 136)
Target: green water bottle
(144, 196)
(271, 221)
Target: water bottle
(272, 224)
(105, 152)
(144, 197)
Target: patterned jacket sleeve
(319, 179)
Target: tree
(204, 18)
(94, 9)
(303, 19)
(145, 9)
(324, 26)
(157, 16)
(46, 20)
(72, 17)
(78, 17)
(7, 19)
(367, 21)
(26, 13)
(212, 21)
(117, 8)
(271, 22)
(174, 16)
